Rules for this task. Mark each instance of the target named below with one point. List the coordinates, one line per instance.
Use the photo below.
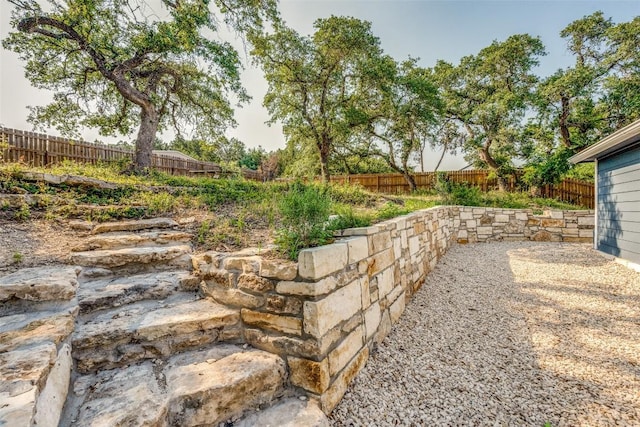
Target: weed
(23, 213)
(17, 257)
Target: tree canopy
(118, 65)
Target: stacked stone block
(494, 224)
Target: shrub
(454, 193)
(348, 218)
(304, 211)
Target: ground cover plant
(233, 213)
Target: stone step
(118, 240)
(197, 388)
(35, 367)
(136, 259)
(39, 284)
(134, 225)
(151, 329)
(114, 292)
(290, 412)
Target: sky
(427, 29)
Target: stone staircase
(147, 348)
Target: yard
(509, 334)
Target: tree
(115, 65)
(402, 119)
(487, 95)
(317, 83)
(578, 105)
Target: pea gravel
(509, 334)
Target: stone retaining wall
(325, 313)
(492, 224)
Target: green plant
(17, 257)
(304, 210)
(203, 230)
(23, 213)
(348, 218)
(391, 210)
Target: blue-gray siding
(619, 205)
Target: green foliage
(304, 211)
(583, 172)
(118, 65)
(453, 193)
(23, 213)
(347, 217)
(549, 169)
(17, 257)
(351, 194)
(307, 90)
(391, 210)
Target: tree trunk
(146, 136)
(410, 180)
(324, 147)
(562, 122)
(493, 165)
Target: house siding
(618, 207)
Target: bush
(348, 218)
(304, 211)
(453, 193)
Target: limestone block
(246, 264)
(219, 277)
(501, 218)
(358, 248)
(586, 220)
(542, 236)
(365, 291)
(385, 282)
(419, 227)
(414, 245)
(40, 284)
(315, 263)
(555, 214)
(522, 216)
(274, 322)
(361, 231)
(206, 394)
(284, 345)
(233, 297)
(310, 289)
(322, 315)
(404, 239)
(397, 248)
(283, 305)
(479, 211)
(471, 223)
(134, 225)
(466, 215)
(585, 233)
(372, 320)
(332, 396)
(54, 393)
(397, 308)
(345, 351)
(308, 374)
(545, 222)
(380, 261)
(253, 283)
(485, 230)
(462, 234)
(400, 222)
(384, 328)
(290, 412)
(533, 222)
(379, 242)
(278, 269)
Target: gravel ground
(515, 334)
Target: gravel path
(509, 334)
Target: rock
(134, 225)
(113, 292)
(24, 330)
(542, 236)
(23, 373)
(122, 240)
(127, 397)
(207, 394)
(53, 396)
(80, 225)
(288, 413)
(150, 329)
(278, 269)
(40, 284)
(122, 257)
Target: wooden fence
(36, 149)
(569, 190)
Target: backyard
(509, 334)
